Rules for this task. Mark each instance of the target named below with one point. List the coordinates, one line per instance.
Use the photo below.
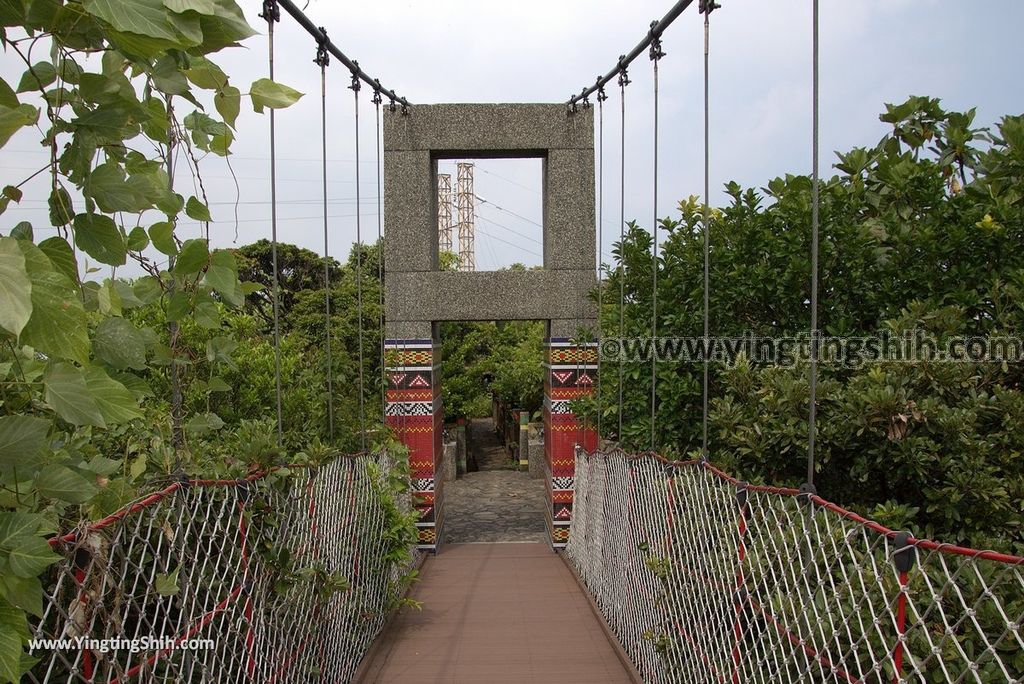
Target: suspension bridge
(655, 570)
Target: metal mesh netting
(252, 565)
(705, 579)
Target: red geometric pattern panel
(570, 373)
(414, 413)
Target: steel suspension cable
(601, 97)
(623, 82)
(815, 218)
(380, 262)
(272, 14)
(322, 60)
(706, 7)
(359, 269)
(656, 54)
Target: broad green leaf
(195, 209)
(14, 118)
(227, 27)
(58, 323)
(146, 18)
(68, 394)
(38, 77)
(15, 287)
(12, 618)
(167, 584)
(192, 258)
(23, 592)
(106, 124)
(206, 74)
(200, 6)
(207, 315)
(21, 440)
(12, 193)
(23, 231)
(267, 93)
(178, 306)
(168, 78)
(219, 350)
(8, 98)
(60, 254)
(108, 185)
(126, 292)
(14, 525)
(136, 385)
(162, 235)
(62, 210)
(217, 384)
(222, 276)
(64, 484)
(117, 403)
(228, 102)
(98, 236)
(10, 653)
(108, 299)
(118, 343)
(138, 240)
(147, 289)
(204, 423)
(32, 554)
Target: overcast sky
(968, 54)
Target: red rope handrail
(925, 544)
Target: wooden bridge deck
(496, 613)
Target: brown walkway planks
(496, 613)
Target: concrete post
(524, 439)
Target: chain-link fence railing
(707, 579)
(278, 578)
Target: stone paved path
(496, 503)
(496, 614)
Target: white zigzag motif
(561, 483)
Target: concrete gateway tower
(418, 295)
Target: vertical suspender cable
(359, 271)
(706, 8)
(272, 13)
(380, 262)
(322, 60)
(601, 97)
(656, 54)
(623, 82)
(815, 218)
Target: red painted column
(415, 414)
(570, 373)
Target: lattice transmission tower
(444, 212)
(467, 217)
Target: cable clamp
(405, 108)
(355, 78)
(601, 95)
(391, 105)
(377, 99)
(623, 73)
(904, 553)
(183, 480)
(708, 6)
(323, 58)
(656, 52)
(271, 12)
(807, 490)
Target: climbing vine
(121, 95)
